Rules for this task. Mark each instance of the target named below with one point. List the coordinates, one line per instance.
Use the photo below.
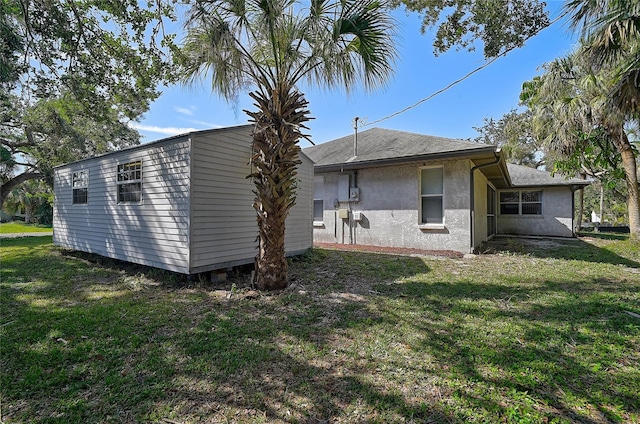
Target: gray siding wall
(389, 200)
(556, 218)
(154, 232)
(223, 221)
(299, 229)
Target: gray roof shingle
(378, 144)
(523, 176)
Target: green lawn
(520, 334)
(21, 227)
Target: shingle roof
(523, 176)
(383, 145)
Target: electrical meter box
(354, 194)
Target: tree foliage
(73, 74)
(499, 25)
(611, 30)
(576, 117)
(272, 47)
(513, 133)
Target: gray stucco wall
(556, 218)
(389, 200)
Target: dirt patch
(389, 250)
(521, 244)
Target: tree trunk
(621, 141)
(601, 213)
(633, 200)
(6, 188)
(580, 204)
(275, 151)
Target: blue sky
(489, 93)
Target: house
(393, 188)
(182, 204)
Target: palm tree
(611, 31)
(272, 46)
(575, 117)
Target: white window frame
(80, 183)
(129, 177)
(430, 225)
(521, 202)
(318, 196)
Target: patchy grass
(524, 334)
(21, 227)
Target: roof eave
(571, 184)
(471, 154)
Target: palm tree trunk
(633, 200)
(275, 151)
(621, 141)
(580, 205)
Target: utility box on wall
(354, 194)
(343, 187)
(343, 213)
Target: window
(431, 196)
(80, 185)
(491, 211)
(531, 202)
(521, 203)
(130, 182)
(318, 199)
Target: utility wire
(484, 65)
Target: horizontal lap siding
(299, 225)
(154, 232)
(223, 221)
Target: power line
(481, 67)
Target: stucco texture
(389, 201)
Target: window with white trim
(432, 195)
(80, 186)
(130, 182)
(318, 199)
(521, 202)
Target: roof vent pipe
(355, 136)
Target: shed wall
(154, 232)
(223, 221)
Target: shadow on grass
(180, 353)
(575, 345)
(569, 249)
(604, 236)
(363, 341)
(26, 241)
